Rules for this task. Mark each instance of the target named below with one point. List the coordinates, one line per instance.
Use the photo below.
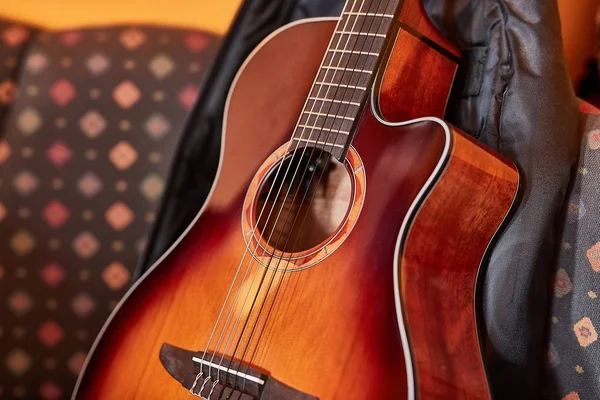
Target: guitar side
(441, 252)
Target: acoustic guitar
(338, 254)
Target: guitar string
(297, 215)
(280, 283)
(238, 320)
(281, 280)
(268, 265)
(200, 374)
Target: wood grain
(439, 269)
(405, 69)
(413, 14)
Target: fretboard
(346, 73)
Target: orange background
(579, 34)
(213, 15)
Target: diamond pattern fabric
(14, 39)
(86, 139)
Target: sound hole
(306, 206)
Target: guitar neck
(345, 75)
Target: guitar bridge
(212, 376)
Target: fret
(352, 103)
(348, 61)
(381, 7)
(343, 81)
(362, 71)
(366, 53)
(335, 107)
(334, 125)
(318, 128)
(318, 114)
(363, 43)
(368, 14)
(337, 93)
(364, 23)
(321, 136)
(381, 35)
(347, 110)
(342, 85)
(318, 142)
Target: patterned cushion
(86, 148)
(574, 349)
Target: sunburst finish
(377, 315)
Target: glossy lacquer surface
(333, 331)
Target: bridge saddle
(213, 377)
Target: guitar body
(383, 309)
